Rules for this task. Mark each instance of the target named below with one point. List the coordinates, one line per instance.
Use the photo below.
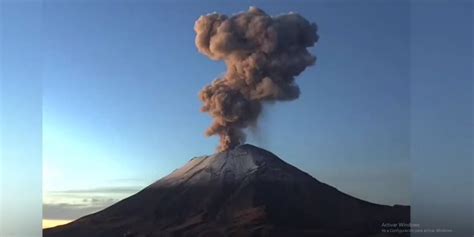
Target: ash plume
(263, 55)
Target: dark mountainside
(246, 191)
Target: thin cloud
(73, 204)
(114, 190)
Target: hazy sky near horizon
(120, 104)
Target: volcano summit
(246, 191)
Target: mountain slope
(246, 191)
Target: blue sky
(20, 119)
(120, 107)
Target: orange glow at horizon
(52, 223)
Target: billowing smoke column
(263, 55)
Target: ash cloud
(263, 55)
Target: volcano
(246, 191)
